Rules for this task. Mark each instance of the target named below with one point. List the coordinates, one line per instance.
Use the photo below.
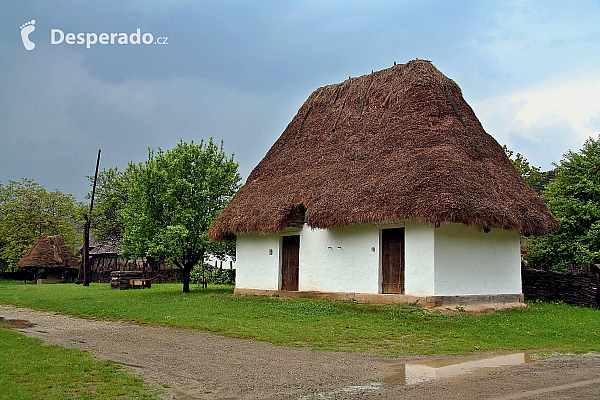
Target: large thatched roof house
(385, 183)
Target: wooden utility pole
(86, 232)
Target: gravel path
(197, 365)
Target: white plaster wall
(469, 261)
(255, 268)
(340, 259)
(418, 259)
(451, 260)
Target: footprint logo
(26, 29)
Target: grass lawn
(321, 324)
(31, 370)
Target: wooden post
(86, 240)
(86, 249)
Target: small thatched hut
(385, 183)
(52, 254)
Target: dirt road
(197, 365)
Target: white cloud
(574, 102)
(555, 116)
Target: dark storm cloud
(240, 70)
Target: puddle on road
(15, 323)
(410, 374)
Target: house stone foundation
(466, 302)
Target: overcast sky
(240, 70)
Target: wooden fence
(581, 289)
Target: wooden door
(392, 260)
(290, 261)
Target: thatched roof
(397, 144)
(49, 252)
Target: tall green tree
(574, 198)
(28, 212)
(531, 174)
(172, 200)
(109, 203)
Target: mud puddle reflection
(15, 323)
(410, 374)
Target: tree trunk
(185, 271)
(152, 262)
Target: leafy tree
(173, 198)
(574, 198)
(531, 174)
(109, 202)
(206, 274)
(28, 212)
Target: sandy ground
(197, 365)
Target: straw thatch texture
(397, 144)
(49, 252)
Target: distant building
(548, 177)
(106, 257)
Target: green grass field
(31, 370)
(320, 324)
